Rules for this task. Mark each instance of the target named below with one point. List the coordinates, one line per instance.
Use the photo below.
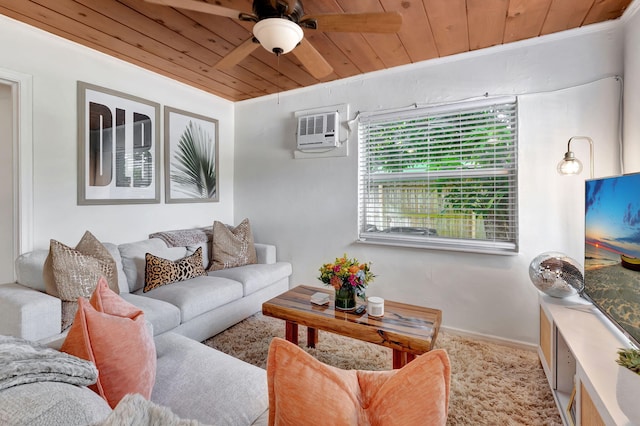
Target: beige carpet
(490, 384)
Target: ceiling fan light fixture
(278, 35)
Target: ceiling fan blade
(375, 22)
(199, 6)
(312, 60)
(236, 55)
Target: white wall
(56, 65)
(632, 90)
(308, 207)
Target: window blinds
(443, 177)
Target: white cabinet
(578, 350)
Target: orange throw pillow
(302, 389)
(112, 333)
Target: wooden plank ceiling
(185, 45)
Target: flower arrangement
(347, 272)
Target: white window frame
(389, 141)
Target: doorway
(8, 225)
(16, 170)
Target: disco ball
(556, 274)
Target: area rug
(491, 384)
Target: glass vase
(346, 298)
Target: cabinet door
(589, 415)
(545, 336)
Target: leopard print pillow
(159, 271)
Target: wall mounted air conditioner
(318, 131)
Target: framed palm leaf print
(191, 157)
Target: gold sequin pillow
(159, 271)
(72, 273)
(232, 247)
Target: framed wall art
(118, 147)
(191, 157)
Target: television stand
(578, 351)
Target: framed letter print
(191, 157)
(118, 148)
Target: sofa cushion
(162, 315)
(28, 313)
(133, 258)
(51, 403)
(198, 295)
(255, 277)
(123, 286)
(30, 265)
(232, 247)
(29, 269)
(113, 334)
(416, 394)
(233, 393)
(159, 271)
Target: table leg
(291, 332)
(399, 358)
(312, 337)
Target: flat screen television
(612, 250)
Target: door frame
(22, 139)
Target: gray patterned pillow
(76, 272)
(159, 271)
(232, 247)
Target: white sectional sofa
(197, 308)
(192, 380)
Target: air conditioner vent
(318, 131)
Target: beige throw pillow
(232, 247)
(71, 273)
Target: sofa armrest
(28, 313)
(266, 253)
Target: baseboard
(491, 339)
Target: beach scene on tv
(612, 249)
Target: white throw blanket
(22, 361)
(133, 409)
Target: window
(441, 177)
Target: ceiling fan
(278, 28)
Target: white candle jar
(375, 307)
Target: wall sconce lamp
(570, 165)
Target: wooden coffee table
(407, 329)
